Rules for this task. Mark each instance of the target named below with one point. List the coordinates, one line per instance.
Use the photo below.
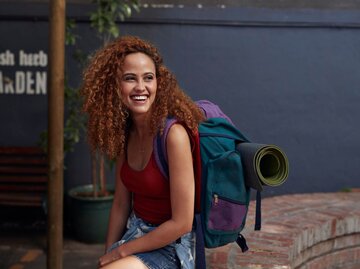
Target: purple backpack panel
(212, 111)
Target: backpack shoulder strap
(159, 146)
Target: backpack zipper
(216, 198)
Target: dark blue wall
(286, 77)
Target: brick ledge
(301, 231)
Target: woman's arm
(182, 198)
(120, 209)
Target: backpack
(221, 194)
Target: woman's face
(138, 83)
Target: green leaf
(114, 31)
(126, 10)
(121, 16)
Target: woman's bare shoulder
(177, 136)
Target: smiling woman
(129, 94)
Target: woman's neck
(140, 143)
(141, 126)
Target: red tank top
(151, 191)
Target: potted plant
(90, 204)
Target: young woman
(129, 93)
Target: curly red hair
(109, 121)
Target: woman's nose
(140, 85)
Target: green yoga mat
(263, 165)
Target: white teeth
(139, 97)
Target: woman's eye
(129, 78)
(149, 78)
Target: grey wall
(289, 77)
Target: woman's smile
(139, 98)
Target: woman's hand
(111, 256)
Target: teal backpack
(221, 195)
(224, 195)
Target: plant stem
(94, 173)
(102, 175)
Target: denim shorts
(178, 254)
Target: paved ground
(23, 243)
(28, 252)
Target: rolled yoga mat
(263, 165)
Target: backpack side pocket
(226, 199)
(226, 215)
